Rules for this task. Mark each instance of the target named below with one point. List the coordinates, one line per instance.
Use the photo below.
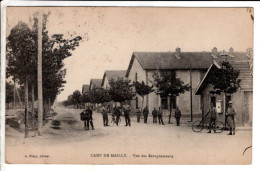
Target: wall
(106, 83)
(236, 98)
(141, 76)
(184, 100)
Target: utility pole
(39, 75)
(14, 94)
(191, 115)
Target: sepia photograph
(128, 85)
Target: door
(248, 107)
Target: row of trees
(22, 49)
(120, 91)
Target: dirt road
(140, 143)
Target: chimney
(214, 52)
(178, 53)
(231, 50)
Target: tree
(121, 90)
(55, 49)
(143, 90)
(169, 86)
(22, 62)
(85, 98)
(21, 59)
(224, 80)
(99, 96)
(76, 98)
(9, 93)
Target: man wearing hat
(213, 118)
(231, 112)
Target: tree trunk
(224, 108)
(14, 94)
(26, 107)
(39, 74)
(170, 116)
(33, 115)
(142, 103)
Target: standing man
(160, 116)
(177, 116)
(154, 113)
(231, 112)
(105, 115)
(83, 117)
(89, 118)
(138, 114)
(126, 110)
(213, 118)
(145, 113)
(118, 114)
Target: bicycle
(199, 125)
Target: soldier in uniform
(154, 113)
(89, 118)
(126, 110)
(145, 113)
(213, 118)
(117, 114)
(138, 114)
(231, 112)
(160, 116)
(177, 115)
(83, 118)
(104, 112)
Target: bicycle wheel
(219, 127)
(197, 126)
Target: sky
(112, 34)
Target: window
(164, 103)
(228, 99)
(136, 102)
(213, 100)
(135, 77)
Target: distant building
(112, 75)
(95, 83)
(85, 90)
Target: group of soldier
(230, 118)
(86, 116)
(116, 114)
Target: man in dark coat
(104, 112)
(138, 114)
(154, 113)
(177, 115)
(213, 118)
(117, 113)
(145, 113)
(126, 110)
(83, 117)
(231, 112)
(89, 118)
(160, 116)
